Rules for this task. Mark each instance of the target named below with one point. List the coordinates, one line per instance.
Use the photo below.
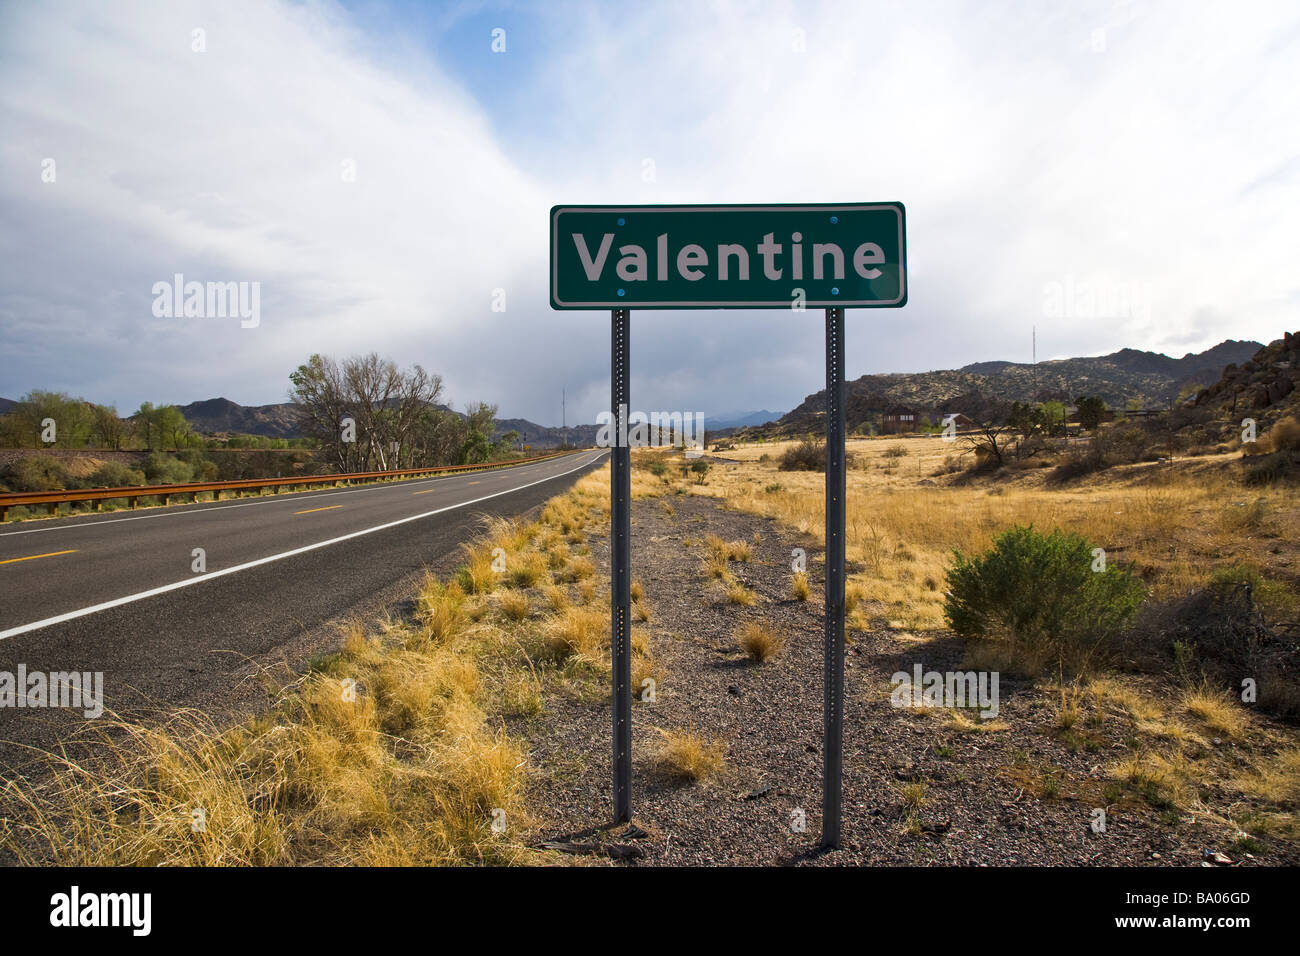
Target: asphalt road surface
(119, 593)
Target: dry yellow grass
(716, 566)
(967, 723)
(514, 605)
(582, 631)
(690, 756)
(527, 570)
(1178, 523)
(728, 550)
(799, 586)
(737, 593)
(557, 597)
(576, 569)
(759, 642)
(1216, 710)
(383, 755)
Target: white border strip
(117, 602)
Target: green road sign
(729, 257)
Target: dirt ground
(920, 786)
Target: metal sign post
(833, 728)
(778, 256)
(620, 590)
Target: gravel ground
(981, 799)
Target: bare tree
(386, 406)
(989, 442)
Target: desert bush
(114, 474)
(37, 473)
(1075, 466)
(1040, 591)
(1221, 634)
(1285, 435)
(951, 465)
(160, 469)
(808, 455)
(1267, 468)
(896, 451)
(759, 642)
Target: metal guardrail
(52, 499)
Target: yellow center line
(33, 557)
(310, 510)
(431, 490)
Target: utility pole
(564, 421)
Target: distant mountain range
(979, 390)
(984, 390)
(739, 419)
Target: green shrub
(37, 473)
(1041, 592)
(161, 469)
(114, 474)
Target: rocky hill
(985, 390)
(222, 415)
(1265, 386)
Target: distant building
(958, 419)
(899, 419)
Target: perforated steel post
(620, 563)
(833, 734)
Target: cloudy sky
(1118, 174)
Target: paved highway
(118, 593)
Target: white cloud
(1168, 162)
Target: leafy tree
(1025, 418)
(108, 429)
(1053, 416)
(71, 416)
(476, 443)
(1092, 411)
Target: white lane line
(208, 507)
(118, 602)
